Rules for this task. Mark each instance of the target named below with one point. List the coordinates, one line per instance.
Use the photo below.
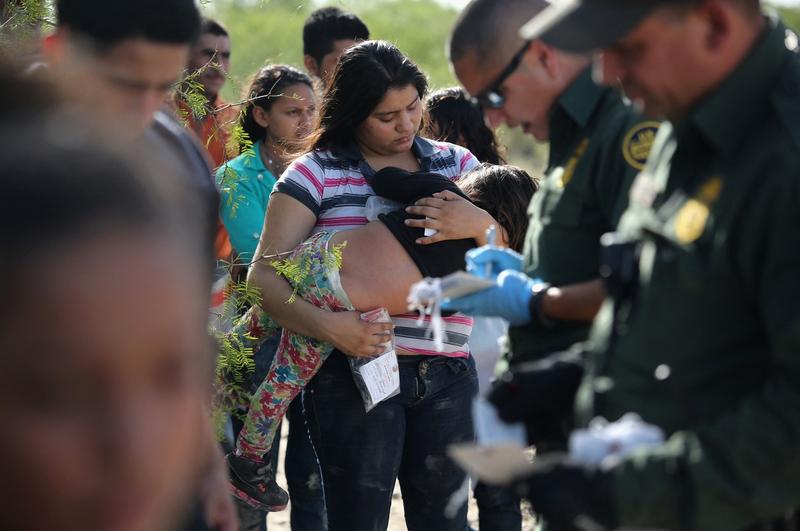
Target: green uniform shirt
(597, 145)
(709, 347)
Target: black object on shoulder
(434, 260)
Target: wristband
(535, 306)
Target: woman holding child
(369, 121)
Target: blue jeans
(498, 508)
(302, 469)
(405, 437)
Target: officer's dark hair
(268, 83)
(504, 192)
(329, 24)
(488, 27)
(214, 27)
(460, 121)
(362, 77)
(107, 24)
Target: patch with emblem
(637, 143)
(690, 221)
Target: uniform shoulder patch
(637, 143)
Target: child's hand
(452, 216)
(355, 337)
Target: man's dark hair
(488, 28)
(106, 25)
(209, 25)
(329, 24)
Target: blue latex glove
(509, 299)
(489, 261)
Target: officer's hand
(488, 261)
(569, 496)
(540, 394)
(509, 298)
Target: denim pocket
(461, 365)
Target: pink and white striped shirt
(333, 185)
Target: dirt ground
(280, 521)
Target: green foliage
(235, 365)
(21, 24)
(791, 15)
(235, 362)
(229, 186)
(270, 31)
(297, 270)
(191, 92)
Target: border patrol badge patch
(691, 219)
(637, 143)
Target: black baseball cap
(581, 26)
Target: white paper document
(461, 283)
(494, 465)
(381, 376)
(499, 455)
(490, 430)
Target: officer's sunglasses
(492, 97)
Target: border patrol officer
(597, 145)
(704, 341)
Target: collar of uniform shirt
(742, 90)
(581, 98)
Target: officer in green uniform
(702, 337)
(597, 145)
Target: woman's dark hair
(459, 121)
(362, 77)
(504, 192)
(268, 84)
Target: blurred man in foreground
(117, 68)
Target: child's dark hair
(267, 85)
(329, 24)
(459, 121)
(362, 77)
(504, 192)
(107, 24)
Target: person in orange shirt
(209, 63)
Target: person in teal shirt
(280, 112)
